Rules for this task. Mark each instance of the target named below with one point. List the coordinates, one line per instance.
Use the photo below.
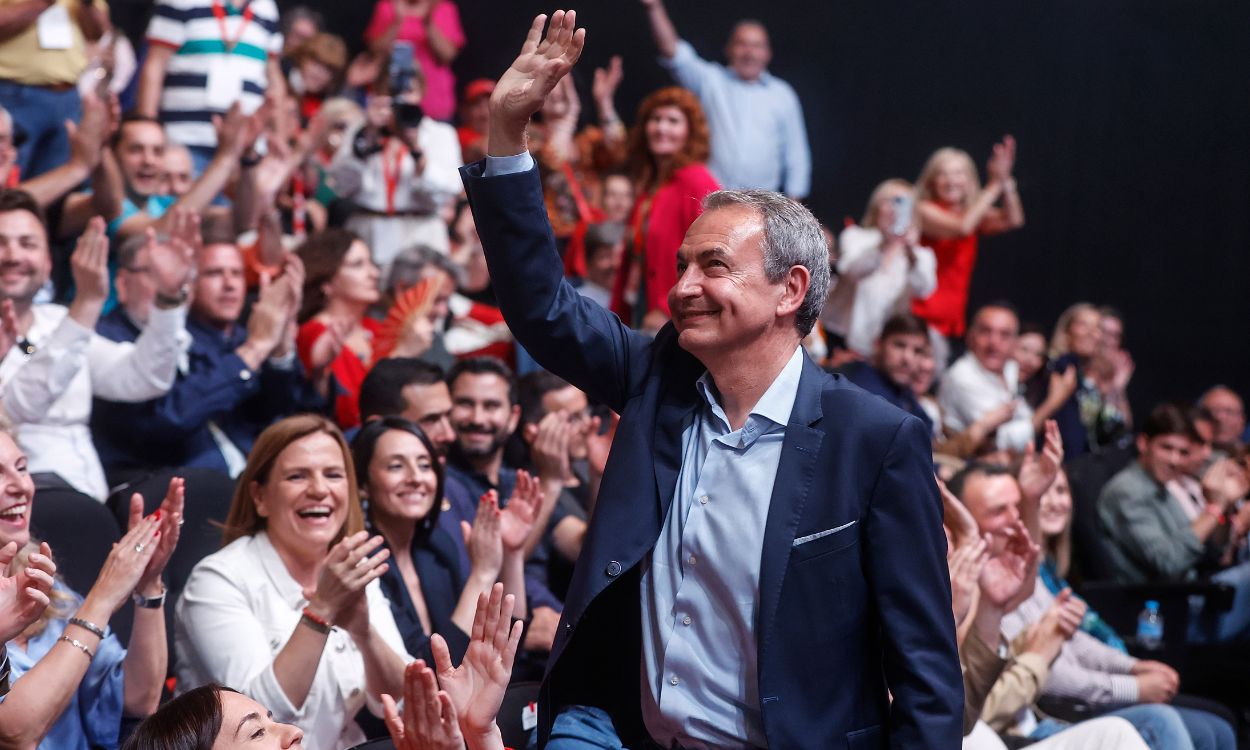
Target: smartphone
(903, 207)
(402, 69)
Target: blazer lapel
(679, 399)
(796, 472)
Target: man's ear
(797, 281)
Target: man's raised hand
(543, 61)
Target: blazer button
(613, 569)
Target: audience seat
(207, 501)
(80, 530)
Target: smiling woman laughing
(289, 612)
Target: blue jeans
(1222, 627)
(1160, 726)
(581, 728)
(40, 113)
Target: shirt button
(686, 620)
(613, 570)
(245, 374)
(691, 560)
(703, 499)
(355, 692)
(674, 680)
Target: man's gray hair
(792, 237)
(407, 267)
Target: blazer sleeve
(564, 332)
(913, 595)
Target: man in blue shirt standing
(766, 565)
(759, 139)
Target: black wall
(1133, 119)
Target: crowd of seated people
(245, 276)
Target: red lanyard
(299, 206)
(390, 173)
(220, 12)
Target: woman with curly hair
(667, 159)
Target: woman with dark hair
(437, 712)
(196, 719)
(666, 157)
(335, 340)
(289, 611)
(401, 480)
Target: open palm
(476, 688)
(540, 66)
(516, 520)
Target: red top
(946, 308)
(660, 220)
(348, 370)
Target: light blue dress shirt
(94, 714)
(759, 139)
(700, 587)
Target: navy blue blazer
(842, 618)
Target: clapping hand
(89, 265)
(957, 518)
(173, 262)
(1002, 159)
(1038, 471)
(24, 594)
(169, 514)
(965, 564)
(339, 596)
(484, 539)
(543, 61)
(550, 449)
(429, 721)
(476, 688)
(516, 520)
(1008, 577)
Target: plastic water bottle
(1150, 627)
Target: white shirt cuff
(498, 166)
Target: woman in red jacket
(667, 155)
(336, 335)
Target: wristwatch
(149, 602)
(166, 302)
(4, 672)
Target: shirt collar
(776, 404)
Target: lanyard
(219, 11)
(390, 172)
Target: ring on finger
(139, 547)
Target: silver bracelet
(90, 627)
(78, 645)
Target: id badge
(225, 84)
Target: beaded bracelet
(78, 645)
(90, 627)
(316, 623)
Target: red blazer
(348, 370)
(670, 211)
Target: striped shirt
(210, 69)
